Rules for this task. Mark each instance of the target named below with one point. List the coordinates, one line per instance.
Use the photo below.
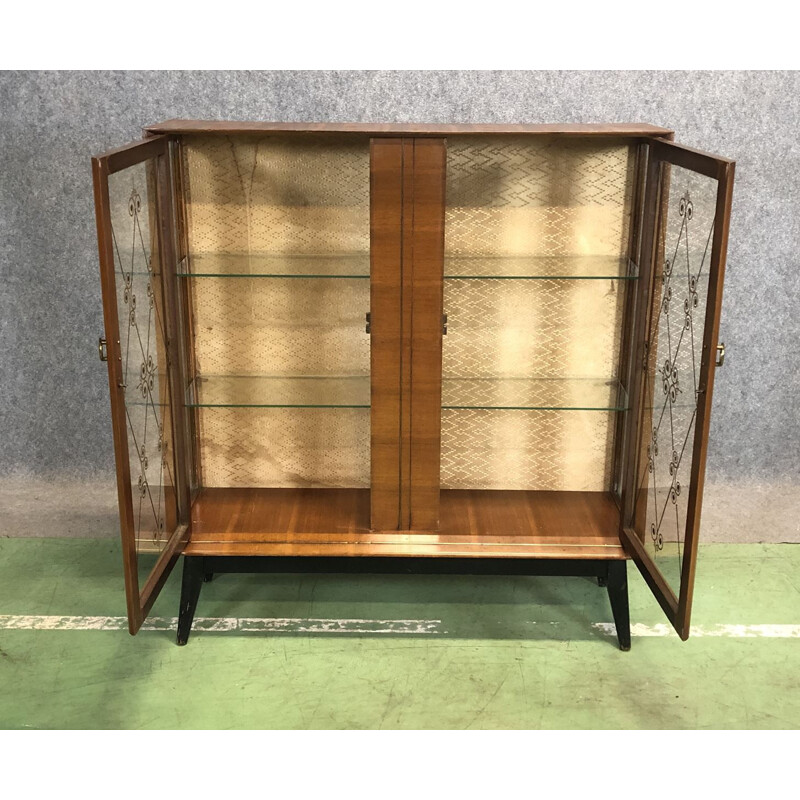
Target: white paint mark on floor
(358, 626)
(245, 625)
(730, 631)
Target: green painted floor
(506, 652)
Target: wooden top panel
(332, 522)
(186, 126)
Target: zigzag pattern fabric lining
(554, 209)
(301, 206)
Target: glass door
(137, 265)
(687, 211)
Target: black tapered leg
(193, 573)
(208, 577)
(618, 595)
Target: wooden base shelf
(335, 522)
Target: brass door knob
(720, 354)
(102, 351)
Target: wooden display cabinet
(393, 348)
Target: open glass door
(686, 218)
(135, 237)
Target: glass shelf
(266, 265)
(587, 267)
(357, 265)
(535, 394)
(233, 391)
(542, 394)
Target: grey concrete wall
(56, 460)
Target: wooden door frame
(661, 153)
(155, 149)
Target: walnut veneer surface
(335, 522)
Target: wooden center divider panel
(407, 257)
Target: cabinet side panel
(386, 231)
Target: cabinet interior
(278, 237)
(538, 273)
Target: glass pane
(277, 267)
(537, 270)
(675, 352)
(141, 322)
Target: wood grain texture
(174, 356)
(119, 424)
(563, 517)
(283, 513)
(134, 153)
(334, 522)
(636, 422)
(179, 126)
(386, 245)
(708, 164)
(162, 569)
(627, 368)
(185, 315)
(406, 307)
(427, 269)
(415, 282)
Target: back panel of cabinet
(537, 244)
(278, 236)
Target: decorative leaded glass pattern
(141, 326)
(675, 351)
